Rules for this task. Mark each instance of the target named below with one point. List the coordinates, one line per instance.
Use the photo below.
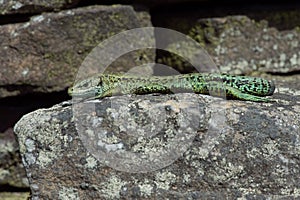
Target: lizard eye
(85, 84)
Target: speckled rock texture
(35, 6)
(240, 45)
(12, 172)
(247, 46)
(44, 54)
(180, 146)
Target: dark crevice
(9, 188)
(23, 89)
(258, 10)
(228, 6)
(13, 108)
(14, 18)
(161, 11)
(136, 6)
(84, 3)
(26, 89)
(296, 72)
(33, 98)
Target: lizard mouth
(70, 91)
(82, 94)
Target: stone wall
(44, 43)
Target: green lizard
(221, 85)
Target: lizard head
(86, 89)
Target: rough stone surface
(14, 195)
(239, 45)
(36, 6)
(238, 150)
(43, 55)
(245, 45)
(12, 172)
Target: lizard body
(221, 85)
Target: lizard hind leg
(236, 94)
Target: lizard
(221, 85)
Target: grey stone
(240, 45)
(12, 172)
(36, 6)
(44, 54)
(182, 146)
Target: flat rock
(44, 54)
(37, 6)
(163, 146)
(12, 172)
(245, 45)
(240, 45)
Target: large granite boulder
(182, 146)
